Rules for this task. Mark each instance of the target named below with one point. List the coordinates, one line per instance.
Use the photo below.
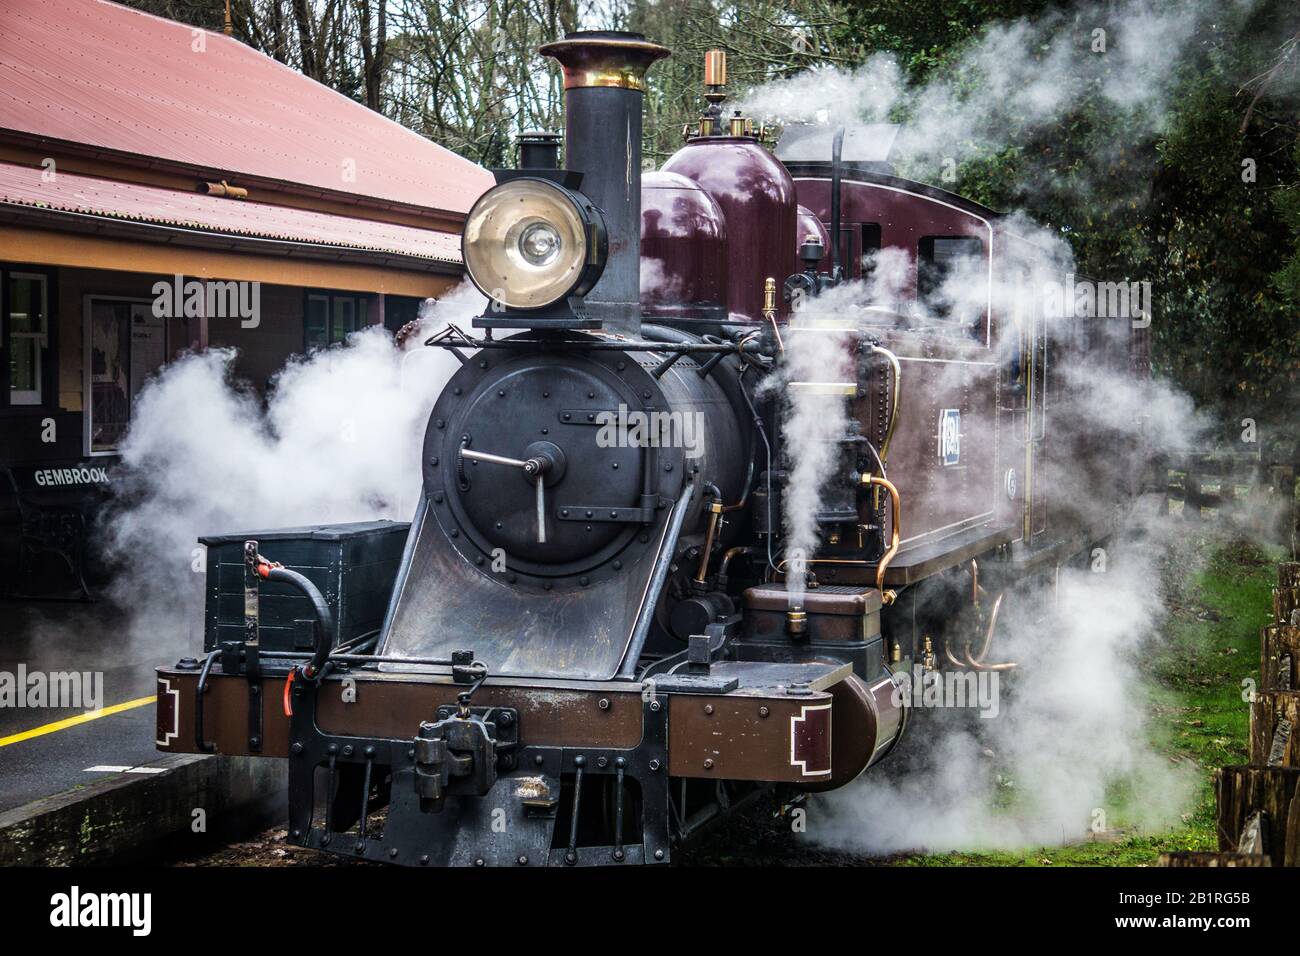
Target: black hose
(323, 641)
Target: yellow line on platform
(73, 721)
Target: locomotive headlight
(529, 243)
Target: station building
(165, 188)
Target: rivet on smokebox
(708, 763)
(764, 712)
(708, 708)
(603, 703)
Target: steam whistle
(715, 92)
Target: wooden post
(1275, 729)
(1286, 599)
(1279, 661)
(1240, 791)
(1191, 858)
(1192, 491)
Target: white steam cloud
(1067, 754)
(1018, 81)
(815, 421)
(338, 439)
(1071, 722)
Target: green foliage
(1166, 198)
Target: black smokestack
(604, 83)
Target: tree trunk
(1240, 791)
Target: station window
(943, 258)
(330, 318)
(26, 336)
(400, 309)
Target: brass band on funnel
(614, 62)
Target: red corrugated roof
(23, 185)
(96, 73)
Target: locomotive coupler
(460, 752)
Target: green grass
(1208, 646)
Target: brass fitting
(928, 660)
(715, 68)
(715, 514)
(796, 621)
(769, 299)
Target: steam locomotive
(593, 638)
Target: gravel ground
(750, 838)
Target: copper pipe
(715, 512)
(732, 553)
(952, 659)
(895, 537)
(977, 662)
(887, 597)
(974, 583)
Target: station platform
(48, 749)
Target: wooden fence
(1258, 496)
(1258, 817)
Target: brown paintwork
(388, 707)
(729, 730)
(866, 725)
(835, 613)
(726, 737)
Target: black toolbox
(354, 565)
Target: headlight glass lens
(540, 244)
(525, 243)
